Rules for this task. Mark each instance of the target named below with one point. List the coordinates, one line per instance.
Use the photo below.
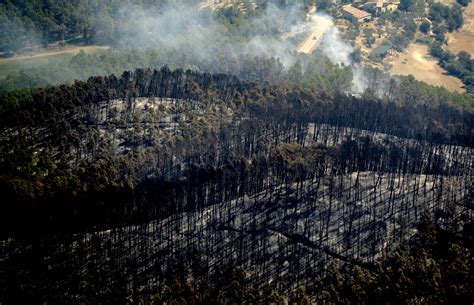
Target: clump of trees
(425, 27)
(464, 2)
(413, 6)
(27, 23)
(451, 16)
(23, 22)
(461, 66)
(405, 28)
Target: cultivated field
(463, 40)
(417, 62)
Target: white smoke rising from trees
(181, 35)
(15, 34)
(334, 47)
(197, 34)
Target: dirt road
(319, 26)
(71, 50)
(311, 42)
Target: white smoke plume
(333, 46)
(197, 36)
(181, 35)
(187, 36)
(196, 33)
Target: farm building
(376, 4)
(382, 5)
(380, 52)
(355, 14)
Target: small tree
(406, 5)
(425, 27)
(464, 2)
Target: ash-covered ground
(284, 235)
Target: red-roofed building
(355, 14)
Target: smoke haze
(181, 35)
(198, 37)
(334, 47)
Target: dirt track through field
(417, 62)
(71, 50)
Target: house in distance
(355, 14)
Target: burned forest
(181, 187)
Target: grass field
(463, 40)
(28, 61)
(460, 41)
(417, 62)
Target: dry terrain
(41, 58)
(446, 2)
(71, 50)
(458, 42)
(271, 235)
(417, 62)
(463, 40)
